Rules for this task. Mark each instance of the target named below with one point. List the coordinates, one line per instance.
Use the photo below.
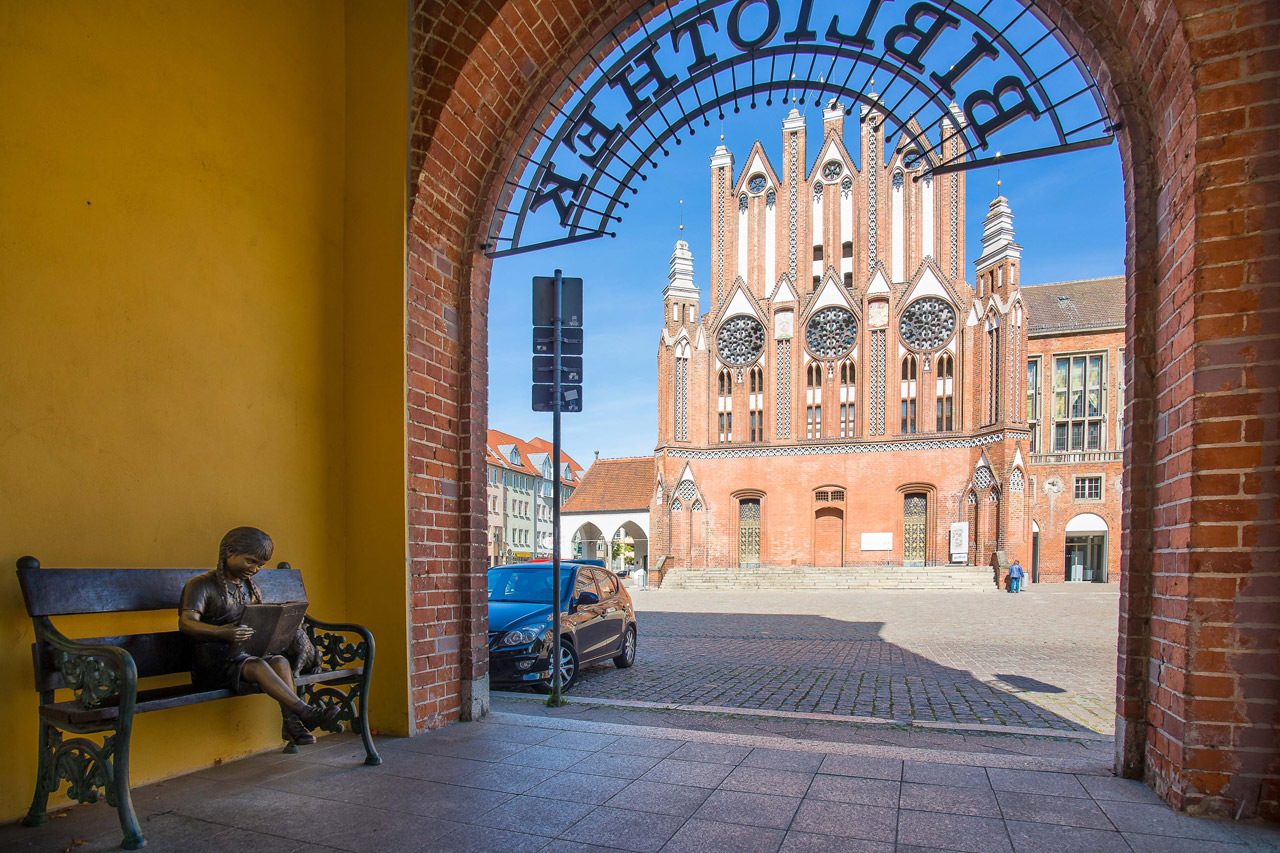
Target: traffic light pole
(556, 699)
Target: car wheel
(568, 669)
(627, 656)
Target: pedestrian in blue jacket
(1015, 577)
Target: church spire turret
(997, 269)
(681, 297)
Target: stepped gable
(1088, 305)
(614, 485)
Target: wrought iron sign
(963, 83)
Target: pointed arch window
(755, 403)
(909, 394)
(848, 397)
(682, 392)
(813, 400)
(945, 396)
(725, 405)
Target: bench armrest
(96, 674)
(334, 648)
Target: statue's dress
(218, 600)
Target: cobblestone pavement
(1042, 659)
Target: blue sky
(1068, 215)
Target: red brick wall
(1193, 85)
(1050, 507)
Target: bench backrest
(61, 592)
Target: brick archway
(1190, 83)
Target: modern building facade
(850, 398)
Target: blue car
(597, 622)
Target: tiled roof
(498, 439)
(1092, 304)
(614, 485)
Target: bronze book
(274, 626)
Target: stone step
(971, 578)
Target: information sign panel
(544, 309)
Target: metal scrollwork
(326, 697)
(831, 332)
(335, 650)
(927, 324)
(92, 679)
(86, 766)
(740, 341)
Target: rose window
(831, 332)
(740, 340)
(831, 171)
(927, 323)
(756, 184)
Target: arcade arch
(1188, 153)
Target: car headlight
(522, 636)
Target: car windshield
(531, 584)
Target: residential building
(520, 489)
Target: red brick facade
(869, 446)
(1192, 85)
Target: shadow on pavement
(812, 664)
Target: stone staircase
(970, 578)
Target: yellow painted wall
(179, 247)
(377, 583)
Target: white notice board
(877, 541)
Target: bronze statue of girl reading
(212, 606)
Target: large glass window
(1078, 402)
(1033, 402)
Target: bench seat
(74, 716)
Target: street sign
(544, 341)
(544, 369)
(570, 398)
(544, 309)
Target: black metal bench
(102, 673)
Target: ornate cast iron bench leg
(335, 652)
(133, 839)
(49, 736)
(87, 766)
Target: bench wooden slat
(158, 698)
(59, 592)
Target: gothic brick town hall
(850, 398)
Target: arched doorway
(629, 550)
(1151, 60)
(1086, 548)
(588, 543)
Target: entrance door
(749, 534)
(1086, 558)
(915, 510)
(828, 537)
